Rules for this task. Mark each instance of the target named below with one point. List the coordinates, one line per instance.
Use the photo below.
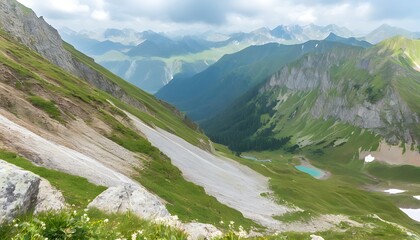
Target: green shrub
(80, 225)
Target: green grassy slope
(159, 114)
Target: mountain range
(207, 93)
(151, 60)
(345, 80)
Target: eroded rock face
(18, 191)
(133, 198)
(34, 32)
(333, 100)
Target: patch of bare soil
(394, 155)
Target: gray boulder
(22, 191)
(18, 191)
(137, 200)
(201, 231)
(132, 198)
(49, 198)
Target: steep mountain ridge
(211, 91)
(24, 26)
(372, 89)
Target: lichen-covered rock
(49, 198)
(18, 191)
(132, 198)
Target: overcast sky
(225, 15)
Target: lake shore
(305, 162)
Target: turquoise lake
(311, 171)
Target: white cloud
(68, 6)
(100, 15)
(167, 15)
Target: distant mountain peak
(349, 41)
(331, 36)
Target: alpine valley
(296, 132)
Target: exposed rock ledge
(22, 191)
(136, 199)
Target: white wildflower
(106, 220)
(134, 236)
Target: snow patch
(417, 197)
(316, 45)
(369, 158)
(394, 191)
(412, 213)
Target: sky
(360, 16)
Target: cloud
(401, 9)
(204, 11)
(100, 15)
(245, 15)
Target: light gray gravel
(233, 184)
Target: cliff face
(347, 98)
(326, 99)
(22, 24)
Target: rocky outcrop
(137, 200)
(22, 24)
(22, 191)
(18, 191)
(132, 198)
(346, 99)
